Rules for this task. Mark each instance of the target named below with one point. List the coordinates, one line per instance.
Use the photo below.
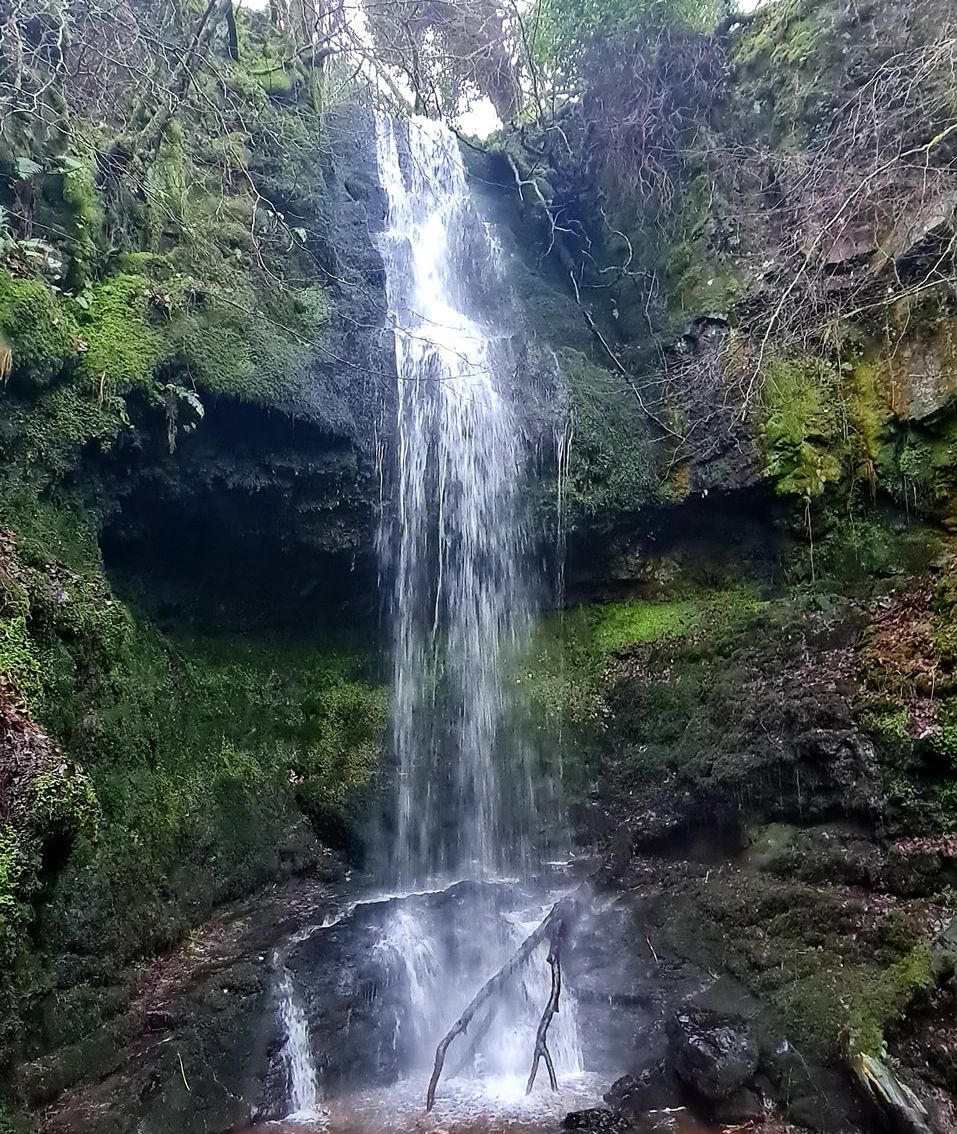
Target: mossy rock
(799, 426)
(613, 469)
(124, 345)
(40, 334)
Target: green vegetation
(39, 333)
(885, 998)
(830, 991)
(123, 348)
(168, 266)
(613, 465)
(18, 882)
(143, 282)
(571, 678)
(196, 768)
(145, 303)
(800, 427)
(561, 27)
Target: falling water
(302, 1086)
(461, 594)
(472, 799)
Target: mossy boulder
(38, 331)
(123, 345)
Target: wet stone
(595, 1118)
(712, 1053)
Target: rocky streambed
(650, 1037)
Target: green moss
(568, 676)
(944, 804)
(790, 60)
(613, 462)
(38, 330)
(48, 532)
(767, 32)
(883, 999)
(208, 765)
(698, 277)
(868, 417)
(220, 357)
(124, 347)
(84, 211)
(799, 44)
(915, 461)
(52, 431)
(18, 882)
(944, 743)
(64, 803)
(616, 625)
(243, 357)
(799, 426)
(202, 759)
(18, 658)
(893, 724)
(155, 266)
(313, 306)
(324, 729)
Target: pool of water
(496, 1105)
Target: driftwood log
(551, 929)
(541, 1036)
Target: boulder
(632, 1096)
(595, 1118)
(713, 1053)
(743, 1106)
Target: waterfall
(459, 545)
(457, 558)
(302, 1091)
(470, 798)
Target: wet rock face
(355, 981)
(595, 1118)
(355, 996)
(632, 1096)
(712, 1053)
(279, 493)
(618, 998)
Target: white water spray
(472, 800)
(466, 803)
(302, 1081)
(471, 797)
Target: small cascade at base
(302, 1081)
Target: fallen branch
(541, 1036)
(557, 914)
(892, 1096)
(475, 1042)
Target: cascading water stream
(473, 798)
(470, 797)
(303, 1087)
(461, 599)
